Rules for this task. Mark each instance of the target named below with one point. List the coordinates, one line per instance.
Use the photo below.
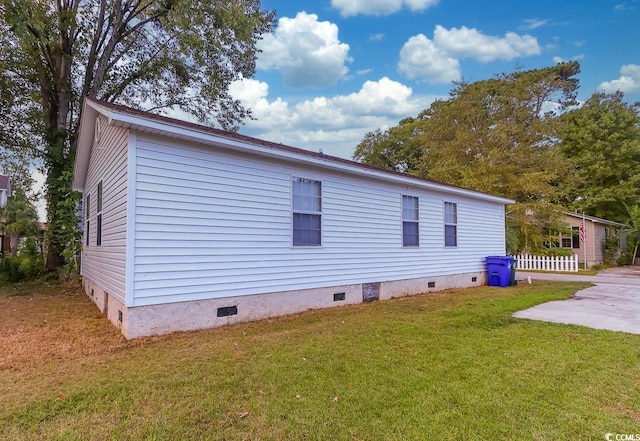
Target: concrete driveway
(613, 303)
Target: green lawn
(445, 366)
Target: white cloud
(437, 60)
(532, 23)
(624, 7)
(379, 7)
(306, 51)
(629, 81)
(421, 58)
(336, 124)
(253, 95)
(471, 43)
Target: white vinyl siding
(213, 224)
(105, 265)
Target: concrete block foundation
(166, 318)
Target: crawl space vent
(227, 311)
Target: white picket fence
(545, 263)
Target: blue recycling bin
(499, 270)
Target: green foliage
(177, 54)
(67, 224)
(493, 136)
(632, 230)
(28, 264)
(22, 267)
(624, 259)
(397, 148)
(554, 252)
(611, 248)
(19, 218)
(599, 266)
(601, 141)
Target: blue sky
(333, 70)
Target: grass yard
(448, 366)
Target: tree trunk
(635, 253)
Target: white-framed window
(570, 241)
(450, 224)
(307, 213)
(410, 221)
(87, 214)
(99, 215)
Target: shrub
(610, 248)
(624, 259)
(599, 266)
(21, 267)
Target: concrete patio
(612, 304)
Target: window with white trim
(410, 221)
(450, 224)
(307, 213)
(570, 241)
(99, 215)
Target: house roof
(5, 183)
(594, 219)
(142, 121)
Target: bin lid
(499, 259)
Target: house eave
(90, 112)
(595, 220)
(190, 132)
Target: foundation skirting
(166, 318)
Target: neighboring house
(5, 192)
(189, 227)
(596, 232)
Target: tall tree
(496, 136)
(152, 54)
(396, 148)
(601, 142)
(633, 231)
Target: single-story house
(596, 232)
(5, 192)
(188, 227)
